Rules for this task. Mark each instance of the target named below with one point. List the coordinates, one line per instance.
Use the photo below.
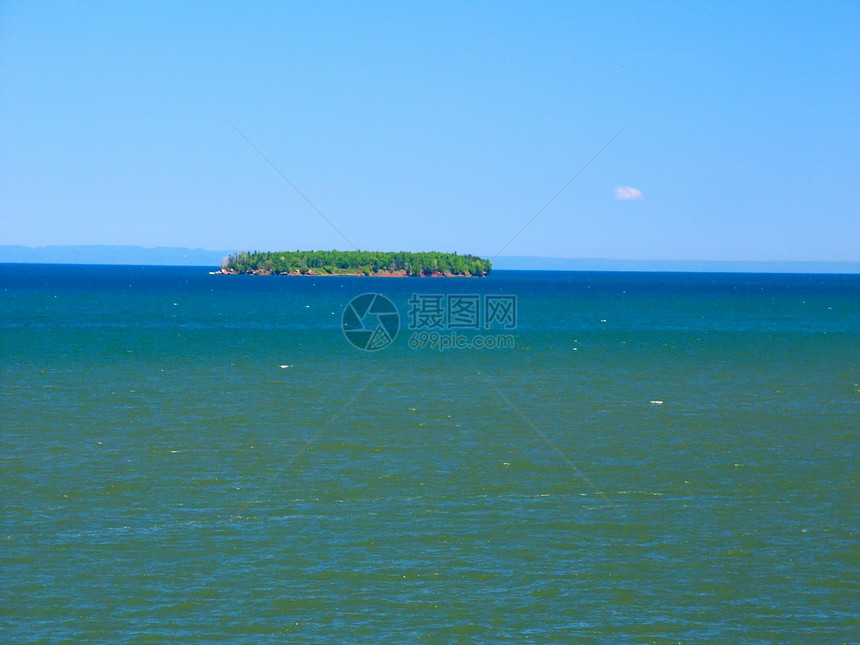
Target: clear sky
(435, 126)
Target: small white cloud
(626, 192)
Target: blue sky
(428, 126)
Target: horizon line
(160, 248)
(135, 255)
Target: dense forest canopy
(356, 263)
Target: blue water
(659, 458)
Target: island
(357, 263)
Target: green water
(164, 478)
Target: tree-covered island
(367, 263)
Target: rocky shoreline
(378, 274)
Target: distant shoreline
(178, 256)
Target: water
(164, 478)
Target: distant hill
(105, 254)
(520, 263)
